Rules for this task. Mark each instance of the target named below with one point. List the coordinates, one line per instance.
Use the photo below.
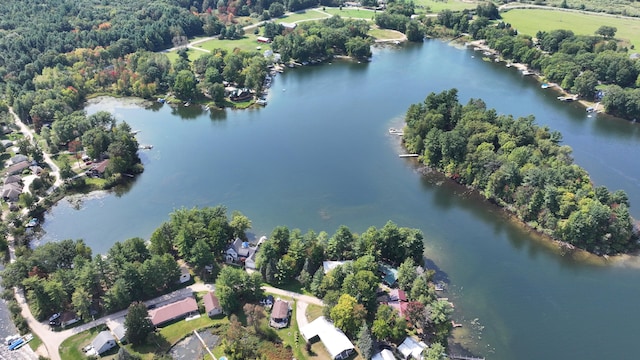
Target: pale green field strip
(352, 13)
(303, 15)
(434, 6)
(530, 21)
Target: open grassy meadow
(436, 6)
(353, 13)
(385, 34)
(304, 15)
(530, 21)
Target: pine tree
(137, 323)
(365, 342)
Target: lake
(319, 156)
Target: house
(279, 314)
(263, 39)
(118, 330)
(330, 265)
(36, 170)
(334, 340)
(385, 354)
(212, 304)
(98, 169)
(241, 95)
(68, 318)
(12, 179)
(411, 348)
(176, 310)
(241, 252)
(103, 342)
(289, 26)
(18, 159)
(389, 275)
(396, 295)
(11, 192)
(17, 168)
(399, 306)
(6, 143)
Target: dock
(462, 357)
(408, 155)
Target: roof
(102, 338)
(119, 332)
(411, 347)
(397, 295)
(399, 306)
(390, 274)
(333, 339)
(19, 158)
(101, 166)
(330, 264)
(173, 311)
(211, 301)
(12, 179)
(280, 310)
(18, 167)
(385, 354)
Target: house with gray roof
(103, 342)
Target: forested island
(521, 167)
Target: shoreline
(480, 45)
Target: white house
(241, 252)
(412, 348)
(385, 354)
(103, 342)
(335, 341)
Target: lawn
(313, 312)
(71, 348)
(304, 15)
(436, 6)
(385, 34)
(530, 21)
(352, 13)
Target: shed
(411, 348)
(103, 342)
(176, 310)
(263, 39)
(119, 332)
(212, 304)
(335, 341)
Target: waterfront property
(411, 349)
(174, 311)
(334, 340)
(241, 252)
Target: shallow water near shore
(319, 155)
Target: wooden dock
(408, 155)
(462, 357)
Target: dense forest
(521, 167)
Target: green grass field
(530, 21)
(352, 13)
(436, 6)
(300, 16)
(385, 34)
(71, 348)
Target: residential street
(53, 339)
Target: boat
(509, 65)
(145, 147)
(487, 53)
(21, 342)
(262, 102)
(393, 130)
(161, 100)
(439, 286)
(527, 72)
(591, 109)
(545, 86)
(567, 98)
(32, 223)
(11, 338)
(187, 103)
